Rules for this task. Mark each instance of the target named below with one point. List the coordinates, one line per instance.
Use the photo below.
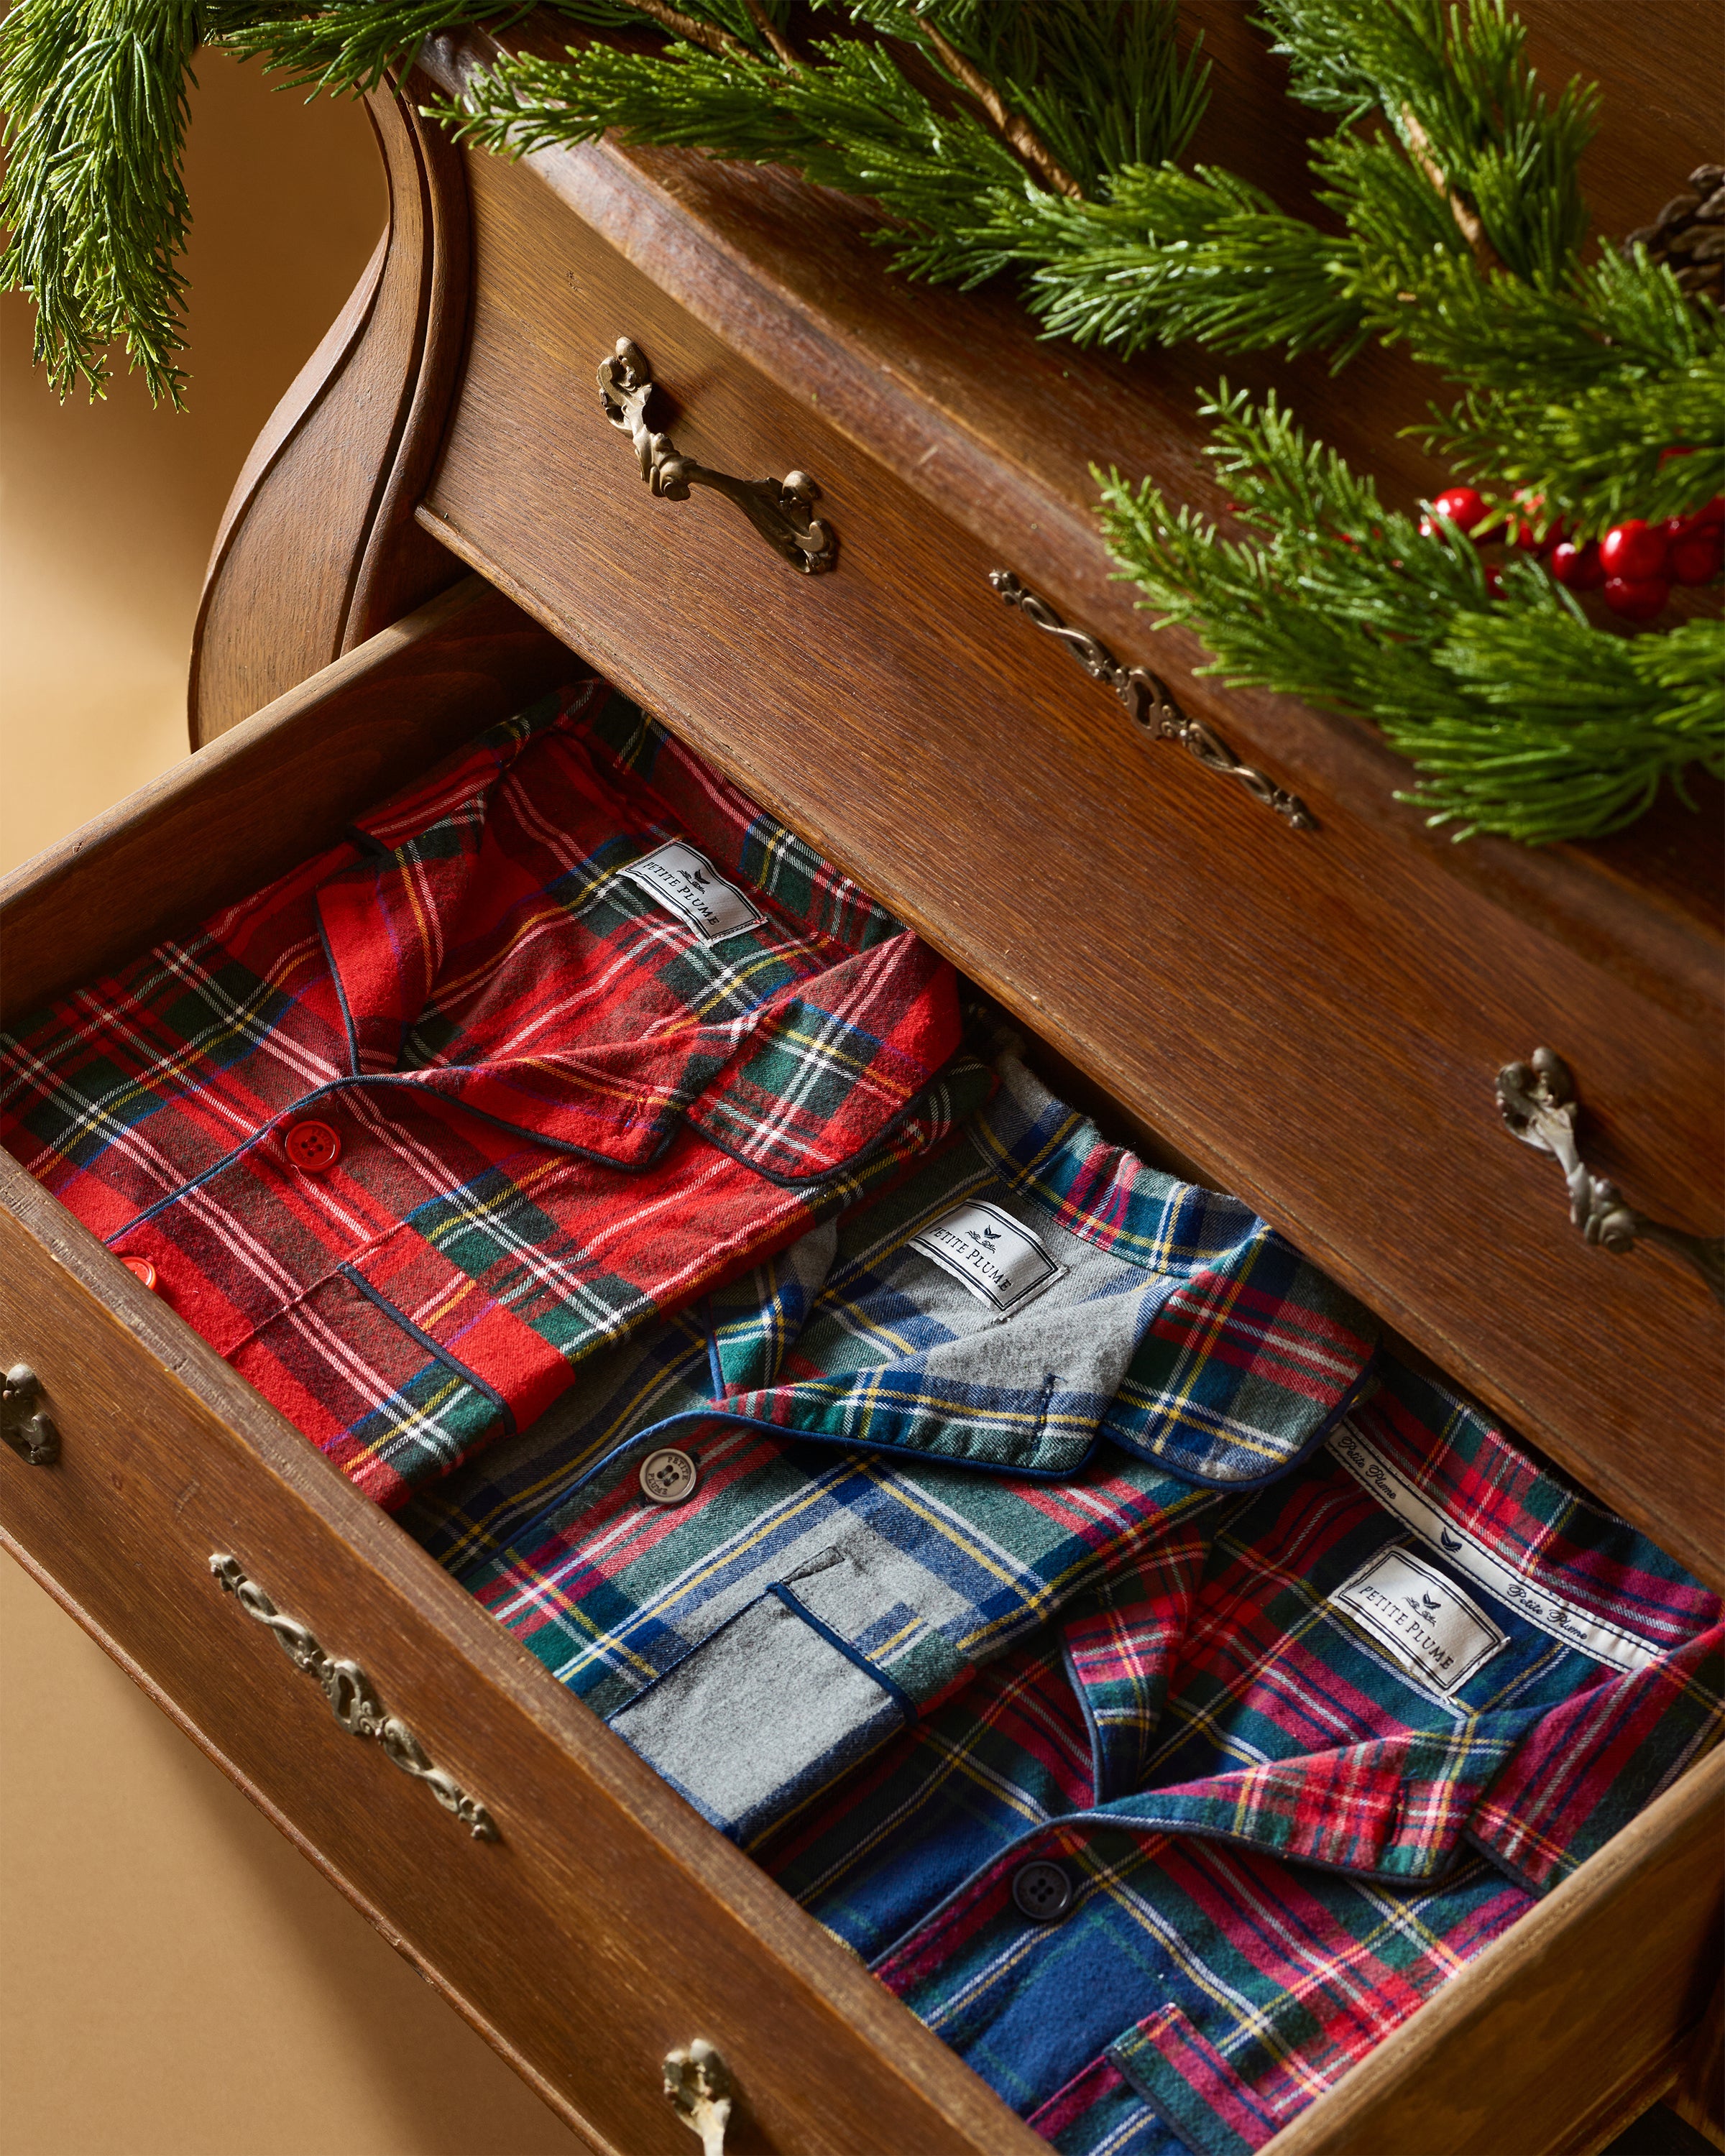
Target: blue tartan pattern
(916, 1479)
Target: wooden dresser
(1208, 906)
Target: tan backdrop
(174, 1979)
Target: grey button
(1042, 1892)
(668, 1476)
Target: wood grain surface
(1315, 1019)
(957, 396)
(318, 549)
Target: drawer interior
(205, 1455)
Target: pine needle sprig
(1519, 716)
(95, 95)
(953, 174)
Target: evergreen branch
(1467, 219)
(1519, 716)
(783, 50)
(94, 95)
(1017, 134)
(713, 36)
(1599, 456)
(1223, 265)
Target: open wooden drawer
(604, 1924)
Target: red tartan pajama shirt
(563, 1036)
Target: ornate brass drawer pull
(1536, 1099)
(22, 1424)
(353, 1699)
(777, 508)
(1149, 705)
(698, 2082)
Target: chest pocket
(770, 1707)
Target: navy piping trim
(329, 959)
(432, 1347)
(1127, 2070)
(797, 1607)
(714, 1367)
(367, 843)
(854, 1160)
(382, 1078)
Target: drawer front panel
(606, 1925)
(1315, 1017)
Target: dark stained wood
(1315, 1019)
(957, 395)
(610, 1923)
(270, 791)
(318, 549)
(1565, 2027)
(1698, 2094)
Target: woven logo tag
(1424, 1620)
(996, 1258)
(688, 885)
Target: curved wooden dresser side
(318, 549)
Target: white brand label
(1576, 1628)
(995, 1257)
(1425, 1620)
(690, 886)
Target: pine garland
(1038, 138)
(1519, 713)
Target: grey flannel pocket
(768, 1708)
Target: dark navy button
(312, 1146)
(667, 1475)
(1042, 1892)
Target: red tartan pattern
(559, 1112)
(1279, 1838)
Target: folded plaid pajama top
(560, 1037)
(896, 1449)
(1163, 1874)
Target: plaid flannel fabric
(1164, 1876)
(553, 1042)
(903, 1467)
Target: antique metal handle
(353, 1699)
(777, 508)
(1537, 1101)
(22, 1424)
(698, 2084)
(1149, 704)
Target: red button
(143, 1268)
(312, 1146)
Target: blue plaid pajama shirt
(896, 1479)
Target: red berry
(1462, 505)
(1636, 599)
(1697, 558)
(1633, 551)
(1580, 568)
(1712, 517)
(1494, 581)
(1535, 538)
(1666, 456)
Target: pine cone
(1689, 235)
